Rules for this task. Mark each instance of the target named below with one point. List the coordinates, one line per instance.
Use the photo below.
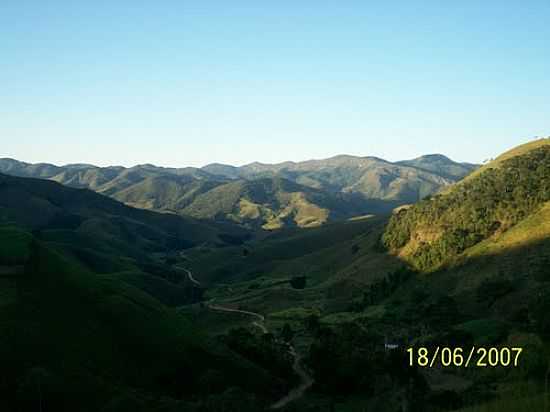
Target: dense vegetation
(74, 340)
(86, 289)
(445, 225)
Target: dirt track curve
(305, 379)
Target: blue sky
(180, 83)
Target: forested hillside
(443, 226)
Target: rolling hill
(274, 202)
(62, 207)
(485, 205)
(88, 318)
(314, 191)
(73, 339)
(440, 165)
(405, 181)
(107, 236)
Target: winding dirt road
(306, 380)
(191, 278)
(305, 384)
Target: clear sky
(186, 83)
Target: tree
(287, 333)
(312, 323)
(298, 282)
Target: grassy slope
(339, 260)
(534, 229)
(516, 151)
(272, 203)
(441, 165)
(64, 207)
(284, 248)
(485, 206)
(107, 236)
(164, 193)
(97, 337)
(15, 247)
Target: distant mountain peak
(146, 166)
(289, 162)
(79, 166)
(217, 165)
(434, 157)
(11, 160)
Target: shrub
(298, 282)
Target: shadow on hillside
(504, 284)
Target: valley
(165, 311)
(275, 206)
(481, 293)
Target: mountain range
(270, 196)
(108, 307)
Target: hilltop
(484, 206)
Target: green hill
(87, 318)
(164, 193)
(483, 206)
(322, 191)
(273, 203)
(441, 165)
(76, 340)
(106, 236)
(374, 178)
(81, 209)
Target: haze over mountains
(271, 196)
